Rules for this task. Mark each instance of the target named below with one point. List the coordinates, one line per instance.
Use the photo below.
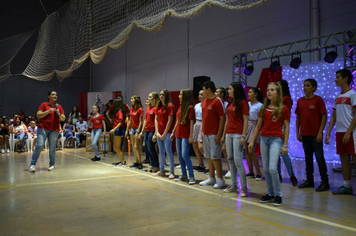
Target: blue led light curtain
(324, 74)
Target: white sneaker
(220, 183)
(243, 193)
(8, 150)
(51, 168)
(178, 167)
(32, 168)
(208, 182)
(2, 151)
(228, 175)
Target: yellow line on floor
(266, 206)
(221, 207)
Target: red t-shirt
(135, 115)
(235, 123)
(183, 131)
(97, 121)
(50, 121)
(150, 118)
(309, 112)
(162, 117)
(287, 101)
(119, 116)
(212, 110)
(272, 126)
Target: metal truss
(345, 39)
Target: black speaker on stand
(198, 85)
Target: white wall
(150, 61)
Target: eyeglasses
(161, 94)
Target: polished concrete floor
(84, 198)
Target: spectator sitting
(13, 119)
(74, 114)
(20, 130)
(4, 134)
(82, 129)
(68, 129)
(32, 129)
(27, 121)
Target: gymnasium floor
(84, 198)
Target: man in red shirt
(212, 128)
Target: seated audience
(74, 114)
(32, 129)
(4, 134)
(68, 129)
(20, 130)
(82, 129)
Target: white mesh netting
(84, 28)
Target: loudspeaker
(198, 85)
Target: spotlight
(330, 56)
(248, 68)
(274, 65)
(296, 61)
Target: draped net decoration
(84, 28)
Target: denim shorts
(133, 131)
(119, 132)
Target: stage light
(248, 68)
(274, 65)
(330, 56)
(296, 61)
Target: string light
(324, 74)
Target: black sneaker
(200, 168)
(250, 176)
(146, 161)
(322, 187)
(96, 159)
(140, 166)
(119, 163)
(135, 164)
(306, 184)
(277, 201)
(266, 198)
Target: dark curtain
(83, 105)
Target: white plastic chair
(29, 142)
(13, 142)
(63, 139)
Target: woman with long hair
(272, 117)
(235, 136)
(149, 131)
(74, 114)
(256, 101)
(221, 93)
(197, 137)
(98, 122)
(183, 131)
(288, 102)
(68, 129)
(164, 122)
(134, 124)
(20, 130)
(118, 128)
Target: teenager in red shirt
(235, 136)
(311, 120)
(98, 122)
(118, 128)
(149, 131)
(183, 131)
(213, 125)
(134, 124)
(164, 122)
(49, 114)
(272, 117)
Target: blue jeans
(133, 131)
(234, 156)
(287, 163)
(42, 135)
(166, 146)
(310, 146)
(21, 137)
(95, 134)
(270, 150)
(151, 149)
(183, 147)
(77, 137)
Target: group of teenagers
(238, 125)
